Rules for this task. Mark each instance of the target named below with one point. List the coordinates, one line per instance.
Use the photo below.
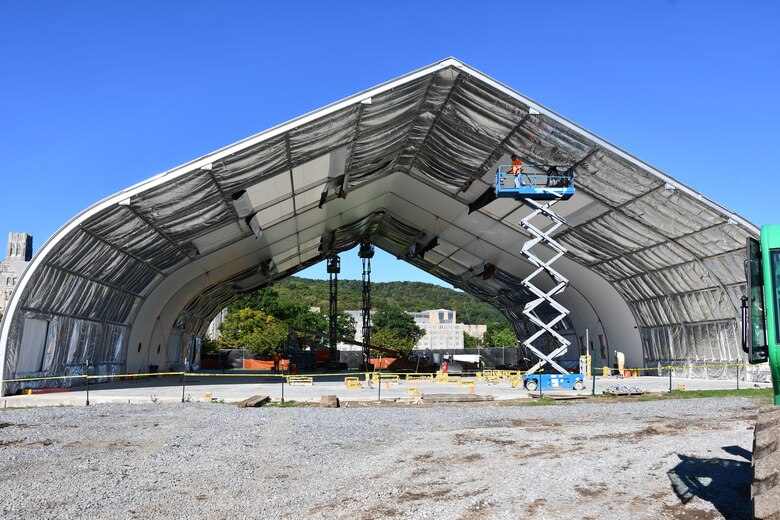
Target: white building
(442, 332)
(358, 317)
(213, 331)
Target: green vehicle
(761, 308)
(760, 338)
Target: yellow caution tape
(486, 375)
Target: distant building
(442, 332)
(213, 331)
(475, 331)
(358, 317)
(17, 256)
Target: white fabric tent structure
(656, 268)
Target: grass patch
(286, 404)
(754, 393)
(541, 401)
(746, 392)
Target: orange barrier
(385, 362)
(264, 364)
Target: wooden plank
(254, 401)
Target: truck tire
(530, 385)
(765, 490)
(579, 385)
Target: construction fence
(376, 381)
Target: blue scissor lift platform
(534, 183)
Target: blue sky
(97, 96)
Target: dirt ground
(618, 459)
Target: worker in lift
(517, 170)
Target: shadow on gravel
(725, 483)
(739, 451)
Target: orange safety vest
(517, 165)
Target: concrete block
(329, 401)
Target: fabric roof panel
(78, 297)
(242, 169)
(541, 140)
(165, 202)
(186, 226)
(617, 268)
(436, 94)
(728, 268)
(609, 236)
(660, 256)
(671, 212)
(123, 229)
(687, 277)
(716, 240)
(321, 136)
(94, 259)
(613, 179)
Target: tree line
(260, 321)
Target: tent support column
(365, 253)
(334, 268)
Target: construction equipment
(319, 355)
(761, 341)
(541, 191)
(547, 382)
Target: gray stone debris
(488, 461)
(623, 390)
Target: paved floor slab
(233, 388)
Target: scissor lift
(535, 183)
(541, 190)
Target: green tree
(346, 325)
(209, 345)
(393, 328)
(253, 330)
(293, 311)
(283, 309)
(306, 319)
(471, 341)
(499, 336)
(390, 339)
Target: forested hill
(409, 296)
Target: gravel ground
(657, 459)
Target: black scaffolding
(334, 268)
(365, 253)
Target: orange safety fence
(265, 364)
